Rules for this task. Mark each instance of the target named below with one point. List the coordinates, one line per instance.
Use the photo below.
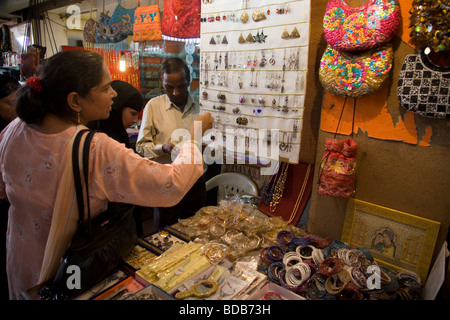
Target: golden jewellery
(279, 188)
(300, 195)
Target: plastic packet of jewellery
(109, 282)
(163, 240)
(151, 292)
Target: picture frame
(396, 239)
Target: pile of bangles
(319, 268)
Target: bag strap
(77, 174)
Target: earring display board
(253, 68)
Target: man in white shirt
(176, 109)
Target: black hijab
(127, 96)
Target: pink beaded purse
(361, 28)
(355, 75)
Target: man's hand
(167, 148)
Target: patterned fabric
(361, 28)
(147, 24)
(355, 75)
(423, 87)
(30, 173)
(181, 18)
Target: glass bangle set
(253, 73)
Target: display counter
(235, 252)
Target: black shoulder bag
(99, 244)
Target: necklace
(279, 188)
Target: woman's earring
(78, 118)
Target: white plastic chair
(232, 183)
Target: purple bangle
(285, 237)
(274, 254)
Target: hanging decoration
(181, 19)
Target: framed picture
(395, 239)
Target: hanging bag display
(122, 20)
(89, 28)
(99, 243)
(424, 87)
(147, 23)
(337, 172)
(361, 28)
(104, 32)
(181, 18)
(355, 75)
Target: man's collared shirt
(160, 119)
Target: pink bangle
(331, 266)
(271, 295)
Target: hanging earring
(285, 34)
(295, 33)
(241, 39)
(78, 119)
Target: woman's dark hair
(174, 65)
(65, 72)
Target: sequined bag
(355, 75)
(361, 28)
(424, 87)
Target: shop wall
(402, 164)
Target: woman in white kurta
(31, 159)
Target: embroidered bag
(122, 20)
(104, 32)
(424, 87)
(89, 28)
(181, 18)
(337, 170)
(355, 75)
(147, 23)
(361, 28)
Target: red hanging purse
(337, 171)
(181, 18)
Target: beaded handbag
(361, 28)
(355, 75)
(89, 28)
(424, 87)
